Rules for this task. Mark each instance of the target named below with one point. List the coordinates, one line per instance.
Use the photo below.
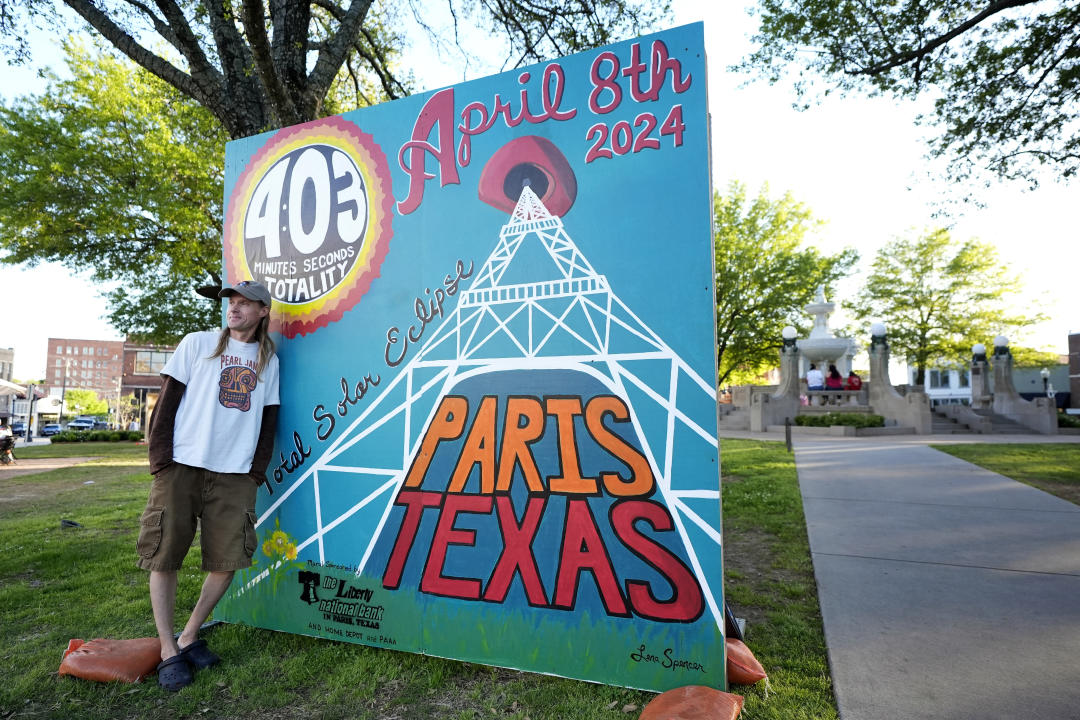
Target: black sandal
(174, 673)
(199, 655)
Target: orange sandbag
(106, 660)
(73, 645)
(742, 667)
(693, 702)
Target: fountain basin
(825, 349)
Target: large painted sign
(498, 428)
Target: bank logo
(310, 582)
(310, 218)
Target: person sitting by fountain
(835, 381)
(854, 382)
(814, 379)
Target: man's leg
(163, 600)
(213, 589)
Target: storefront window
(148, 362)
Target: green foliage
(938, 297)
(1005, 76)
(763, 275)
(127, 410)
(858, 420)
(1031, 358)
(1067, 421)
(80, 401)
(81, 436)
(256, 71)
(115, 172)
(68, 436)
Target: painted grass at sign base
(578, 646)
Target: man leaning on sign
(211, 437)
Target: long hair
(262, 336)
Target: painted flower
(268, 549)
(290, 552)
(279, 540)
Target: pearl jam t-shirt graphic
(310, 218)
(235, 387)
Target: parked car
(18, 428)
(50, 429)
(80, 424)
(100, 425)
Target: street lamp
(789, 334)
(878, 332)
(31, 396)
(63, 391)
(1046, 381)
(119, 394)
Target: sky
(858, 163)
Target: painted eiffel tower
(535, 304)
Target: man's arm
(159, 435)
(265, 447)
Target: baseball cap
(249, 289)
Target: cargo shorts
(183, 499)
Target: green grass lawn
(1052, 468)
(59, 583)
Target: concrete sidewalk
(947, 591)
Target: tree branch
(162, 28)
(378, 63)
(374, 57)
(291, 21)
(333, 54)
(281, 104)
(140, 55)
(184, 40)
(922, 51)
(240, 88)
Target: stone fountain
(822, 347)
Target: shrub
(1068, 421)
(97, 436)
(71, 436)
(859, 420)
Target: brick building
(83, 364)
(108, 366)
(142, 365)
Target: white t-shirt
(217, 423)
(815, 378)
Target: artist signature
(426, 308)
(667, 661)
